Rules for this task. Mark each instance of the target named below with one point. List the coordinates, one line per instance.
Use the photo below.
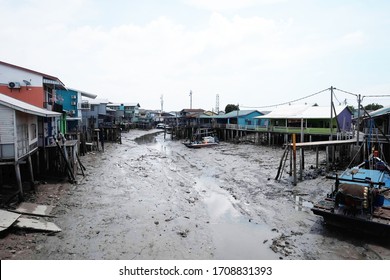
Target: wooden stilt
(19, 182)
(38, 169)
(327, 158)
(294, 159)
(30, 167)
(300, 164)
(281, 163)
(291, 163)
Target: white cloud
(228, 5)
(238, 57)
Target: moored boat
(360, 200)
(206, 141)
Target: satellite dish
(27, 82)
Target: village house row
(37, 108)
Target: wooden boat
(360, 200)
(206, 141)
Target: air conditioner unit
(74, 103)
(12, 85)
(74, 97)
(73, 112)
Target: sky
(252, 53)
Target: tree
(373, 106)
(231, 107)
(351, 108)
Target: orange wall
(31, 95)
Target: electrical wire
(311, 95)
(292, 101)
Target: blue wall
(249, 119)
(68, 99)
(345, 119)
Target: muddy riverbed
(150, 198)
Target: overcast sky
(253, 53)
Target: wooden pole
(69, 169)
(19, 181)
(327, 158)
(281, 163)
(301, 164)
(294, 159)
(30, 167)
(291, 156)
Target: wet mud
(153, 198)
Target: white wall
(10, 74)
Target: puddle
(302, 204)
(147, 139)
(234, 236)
(155, 141)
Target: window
(33, 131)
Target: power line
(350, 93)
(354, 94)
(311, 95)
(386, 95)
(292, 101)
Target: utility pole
(217, 104)
(358, 122)
(162, 102)
(331, 112)
(190, 99)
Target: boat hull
(200, 145)
(377, 225)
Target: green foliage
(373, 106)
(231, 107)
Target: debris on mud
(183, 233)
(161, 200)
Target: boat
(360, 199)
(206, 141)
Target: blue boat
(360, 200)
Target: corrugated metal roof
(85, 94)
(124, 104)
(240, 113)
(383, 111)
(302, 112)
(25, 107)
(283, 112)
(96, 101)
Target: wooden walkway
(324, 143)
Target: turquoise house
(71, 101)
(246, 119)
